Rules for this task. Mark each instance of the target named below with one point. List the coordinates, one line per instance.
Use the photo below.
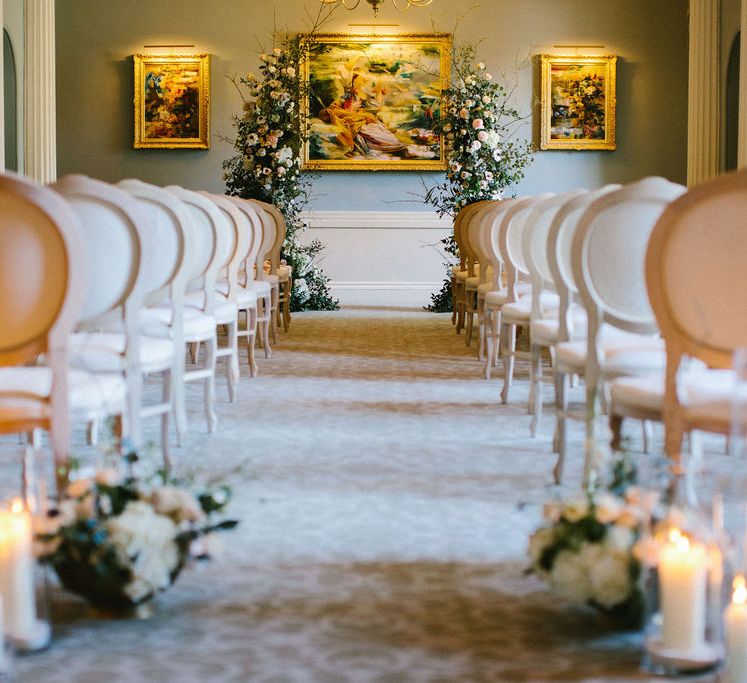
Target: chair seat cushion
(702, 391)
(90, 394)
(545, 332)
(498, 297)
(156, 322)
(624, 354)
(102, 352)
(245, 297)
(223, 311)
(521, 310)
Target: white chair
(471, 244)
(122, 254)
(517, 309)
(166, 314)
(608, 254)
(695, 277)
(570, 322)
(543, 321)
(202, 295)
(229, 287)
(467, 268)
(42, 292)
(269, 268)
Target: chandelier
(375, 4)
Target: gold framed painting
(373, 102)
(172, 101)
(578, 102)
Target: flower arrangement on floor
(267, 165)
(118, 540)
(590, 549)
(484, 159)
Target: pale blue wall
(95, 41)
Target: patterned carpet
(385, 500)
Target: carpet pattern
(386, 498)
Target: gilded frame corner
(548, 141)
(445, 43)
(149, 135)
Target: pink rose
(482, 136)
(273, 140)
(478, 124)
(463, 114)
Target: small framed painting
(172, 101)
(373, 102)
(577, 102)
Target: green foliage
(270, 136)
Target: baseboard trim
(389, 286)
(378, 220)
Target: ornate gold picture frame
(172, 101)
(373, 102)
(578, 102)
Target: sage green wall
(95, 41)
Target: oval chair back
(116, 229)
(510, 237)
(253, 225)
(172, 241)
(695, 278)
(559, 243)
(43, 275)
(242, 238)
(492, 222)
(213, 242)
(534, 245)
(269, 233)
(608, 254)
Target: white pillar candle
(735, 620)
(17, 572)
(683, 569)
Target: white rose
(607, 507)
(291, 71)
(487, 99)
(107, 477)
(576, 508)
(177, 503)
(570, 578)
(488, 77)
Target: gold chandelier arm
(347, 4)
(405, 4)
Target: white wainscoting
(380, 258)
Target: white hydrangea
(570, 576)
(609, 574)
(144, 541)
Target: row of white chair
(106, 284)
(570, 269)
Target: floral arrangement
(118, 540)
(590, 549)
(267, 165)
(478, 124)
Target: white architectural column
(703, 117)
(40, 99)
(742, 145)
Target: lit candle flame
(739, 595)
(679, 540)
(16, 506)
